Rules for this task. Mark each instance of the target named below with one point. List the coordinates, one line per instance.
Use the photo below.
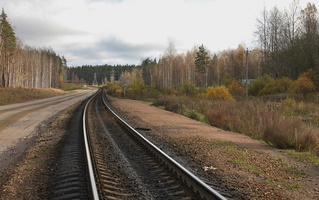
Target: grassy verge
(18, 95)
(266, 122)
(283, 125)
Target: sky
(97, 32)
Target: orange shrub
(219, 93)
(236, 88)
(313, 76)
(304, 85)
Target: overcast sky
(127, 31)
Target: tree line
(25, 66)
(288, 46)
(289, 40)
(104, 73)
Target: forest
(104, 73)
(25, 66)
(270, 93)
(288, 46)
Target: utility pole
(124, 93)
(206, 71)
(247, 53)
(94, 81)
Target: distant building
(248, 81)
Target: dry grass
(254, 117)
(266, 122)
(19, 95)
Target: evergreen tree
(7, 47)
(201, 62)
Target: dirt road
(20, 122)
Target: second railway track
(127, 166)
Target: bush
(219, 93)
(138, 86)
(194, 115)
(114, 89)
(257, 85)
(169, 91)
(173, 104)
(236, 88)
(288, 104)
(187, 88)
(304, 85)
(276, 86)
(313, 76)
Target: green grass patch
(295, 186)
(194, 115)
(256, 169)
(303, 156)
(270, 181)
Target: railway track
(122, 164)
(158, 174)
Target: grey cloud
(39, 32)
(35, 29)
(127, 49)
(116, 49)
(112, 1)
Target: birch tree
(7, 48)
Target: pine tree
(201, 59)
(201, 62)
(7, 48)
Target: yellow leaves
(304, 85)
(219, 93)
(236, 88)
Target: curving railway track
(122, 164)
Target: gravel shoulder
(31, 177)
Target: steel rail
(88, 154)
(205, 191)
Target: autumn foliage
(236, 88)
(114, 89)
(219, 93)
(304, 85)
